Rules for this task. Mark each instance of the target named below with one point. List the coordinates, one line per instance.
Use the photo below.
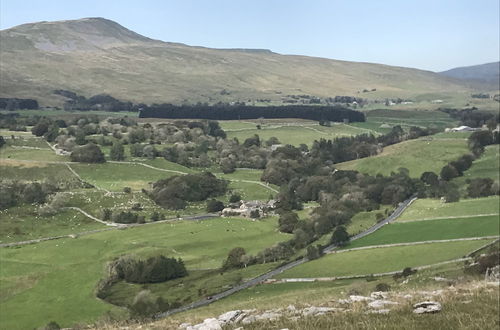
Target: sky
(433, 35)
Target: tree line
(236, 112)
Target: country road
(259, 279)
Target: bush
(89, 153)
(383, 287)
(235, 198)
(127, 190)
(214, 205)
(152, 270)
(117, 151)
(106, 214)
(288, 222)
(127, 217)
(340, 236)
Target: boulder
(427, 307)
(208, 324)
(381, 303)
(355, 298)
(379, 295)
(310, 311)
(229, 317)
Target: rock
(249, 319)
(184, 325)
(309, 311)
(381, 303)
(355, 298)
(440, 279)
(379, 295)
(291, 308)
(378, 311)
(268, 316)
(208, 324)
(427, 307)
(229, 317)
(240, 317)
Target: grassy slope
(417, 156)
(382, 260)
(62, 274)
(150, 71)
(431, 230)
(364, 220)
(296, 135)
(433, 208)
(487, 166)
(22, 223)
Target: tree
(340, 236)
(480, 187)
(313, 252)
(2, 141)
(449, 172)
(89, 153)
(234, 258)
(214, 205)
(288, 222)
(117, 151)
(41, 127)
(234, 198)
(430, 178)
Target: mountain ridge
(95, 55)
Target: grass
(417, 156)
(434, 208)
(64, 273)
(381, 260)
(251, 191)
(115, 177)
(22, 224)
(431, 230)
(364, 220)
(35, 171)
(296, 135)
(487, 166)
(407, 118)
(45, 155)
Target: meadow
(381, 260)
(486, 166)
(427, 208)
(417, 156)
(23, 223)
(61, 275)
(441, 229)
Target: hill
(94, 55)
(488, 73)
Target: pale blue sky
(427, 34)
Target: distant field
(22, 224)
(45, 155)
(62, 274)
(295, 135)
(410, 118)
(62, 113)
(431, 230)
(434, 208)
(251, 191)
(364, 220)
(487, 166)
(115, 177)
(417, 156)
(34, 171)
(382, 259)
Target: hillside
(94, 55)
(488, 73)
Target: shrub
(127, 190)
(340, 236)
(106, 214)
(214, 205)
(382, 287)
(126, 217)
(235, 198)
(89, 153)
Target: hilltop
(94, 55)
(488, 73)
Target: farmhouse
(249, 209)
(461, 129)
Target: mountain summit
(94, 55)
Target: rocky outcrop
(426, 307)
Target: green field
(486, 166)
(417, 156)
(382, 260)
(22, 224)
(410, 118)
(45, 155)
(431, 230)
(434, 208)
(296, 135)
(364, 220)
(114, 176)
(35, 171)
(61, 275)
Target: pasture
(61, 275)
(417, 156)
(431, 230)
(433, 208)
(381, 260)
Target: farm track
(451, 217)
